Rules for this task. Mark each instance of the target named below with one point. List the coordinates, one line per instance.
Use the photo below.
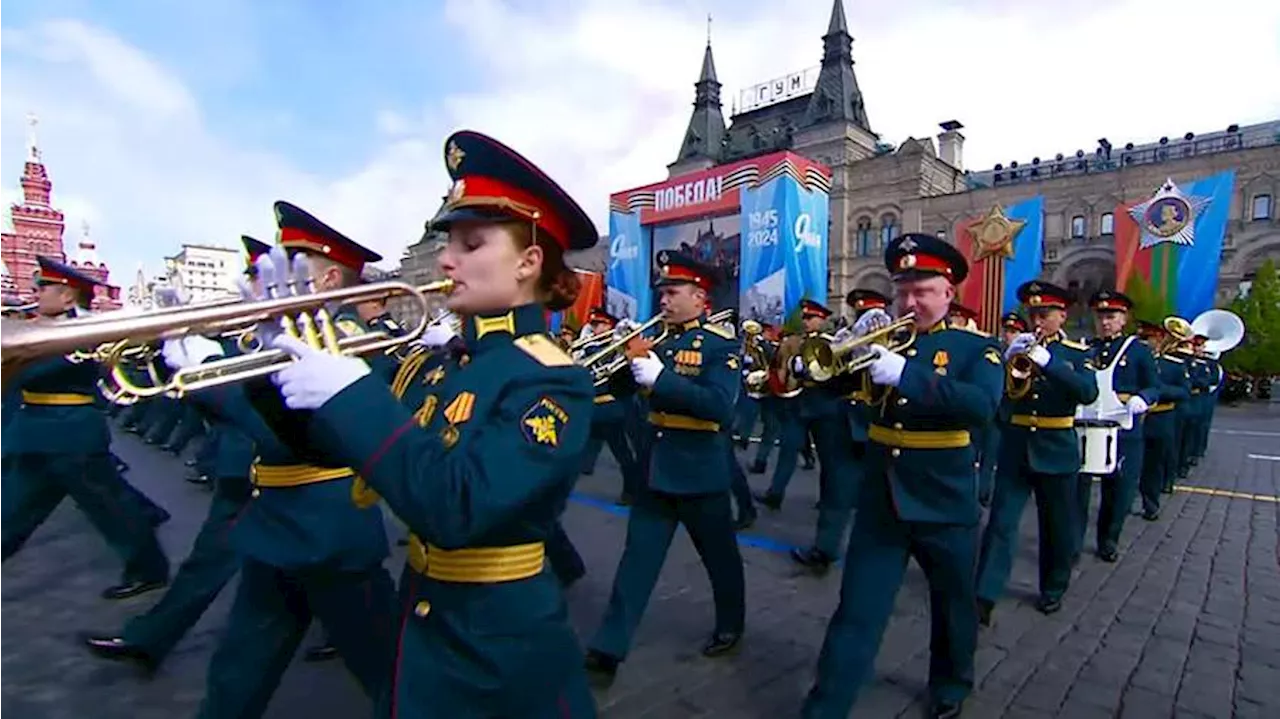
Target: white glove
(437, 335)
(797, 365)
(1039, 355)
(316, 377)
(842, 334)
(189, 351)
(1019, 344)
(748, 360)
(870, 321)
(888, 366)
(646, 369)
(1138, 405)
(755, 378)
(277, 277)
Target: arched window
(888, 229)
(864, 236)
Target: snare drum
(1099, 445)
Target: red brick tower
(37, 230)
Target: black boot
(117, 649)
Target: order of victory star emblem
(1169, 216)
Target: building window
(864, 236)
(1108, 225)
(1077, 227)
(888, 229)
(1261, 207)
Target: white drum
(1099, 446)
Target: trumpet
(301, 315)
(825, 358)
(1020, 371)
(608, 360)
(753, 348)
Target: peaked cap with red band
(600, 314)
(299, 230)
(1110, 301)
(492, 182)
(1043, 295)
(677, 268)
(53, 272)
(1013, 321)
(916, 256)
(866, 300)
(809, 308)
(254, 249)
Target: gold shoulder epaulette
(349, 328)
(971, 330)
(719, 331)
(542, 349)
(1075, 345)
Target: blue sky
(170, 122)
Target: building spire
(702, 140)
(87, 250)
(33, 147)
(836, 96)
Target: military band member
(919, 496)
(1136, 383)
(1047, 377)
(312, 544)
(1160, 433)
(482, 470)
(692, 380)
(608, 421)
(148, 638)
(839, 492)
(1207, 378)
(57, 445)
(769, 402)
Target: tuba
(1223, 329)
(1177, 331)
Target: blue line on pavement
(746, 540)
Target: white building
(204, 272)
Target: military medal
(449, 436)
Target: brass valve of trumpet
(614, 357)
(1020, 370)
(825, 358)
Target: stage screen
(712, 240)
(762, 221)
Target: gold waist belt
(477, 565)
(918, 439)
(1037, 422)
(679, 421)
(294, 475)
(56, 399)
(1162, 407)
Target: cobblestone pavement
(1186, 624)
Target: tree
(1149, 304)
(1259, 353)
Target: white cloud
(598, 92)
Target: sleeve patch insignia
(732, 362)
(941, 358)
(992, 355)
(543, 422)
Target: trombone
(825, 358)
(303, 316)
